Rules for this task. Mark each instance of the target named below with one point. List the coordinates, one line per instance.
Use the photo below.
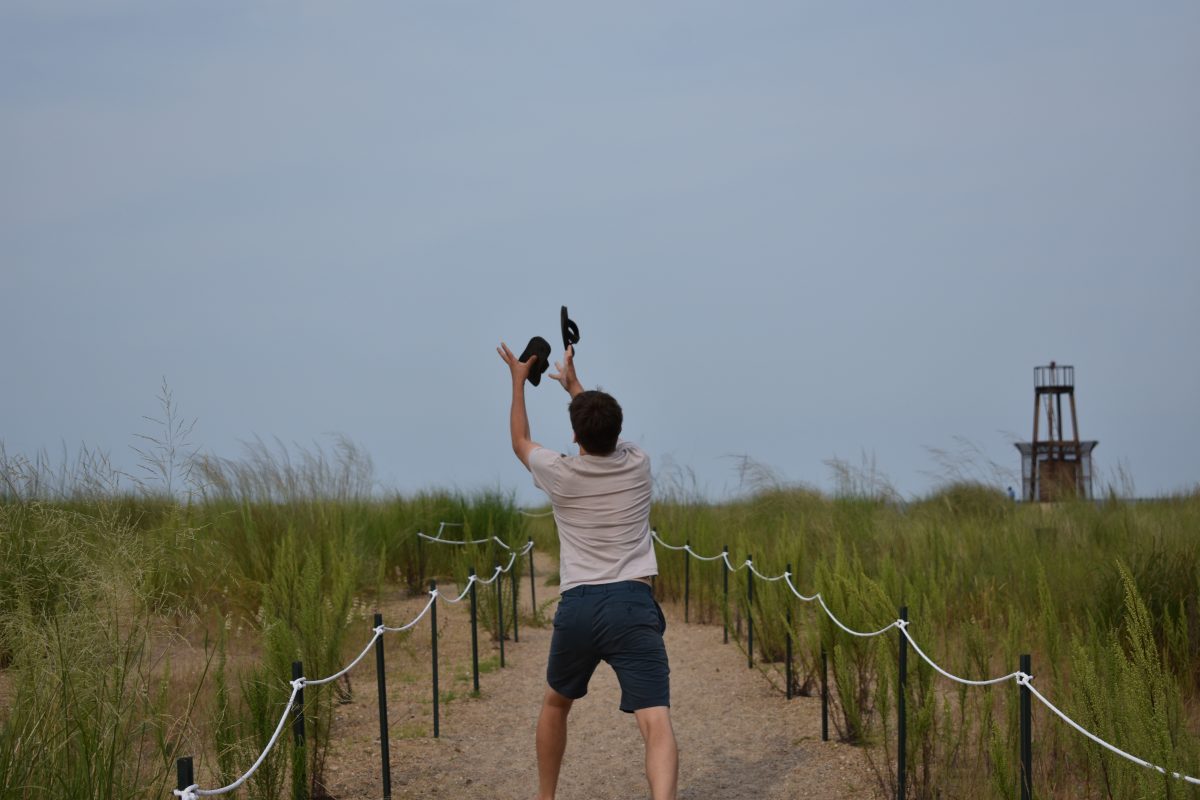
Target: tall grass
(283, 542)
(98, 584)
(1104, 596)
(94, 712)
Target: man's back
(606, 611)
(602, 509)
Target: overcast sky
(787, 230)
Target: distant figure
(1012, 495)
(607, 610)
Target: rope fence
(1021, 676)
(188, 789)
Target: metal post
(513, 575)
(1026, 733)
(298, 707)
(901, 713)
(183, 773)
(750, 613)
(687, 580)
(433, 629)
(499, 613)
(474, 634)
(725, 584)
(532, 590)
(824, 695)
(788, 656)
(299, 768)
(384, 750)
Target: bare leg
(551, 741)
(662, 753)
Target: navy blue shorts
(620, 623)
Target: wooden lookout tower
(1055, 467)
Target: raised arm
(518, 419)
(566, 373)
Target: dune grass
(100, 585)
(1103, 596)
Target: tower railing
(1054, 377)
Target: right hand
(519, 369)
(566, 373)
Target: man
(601, 501)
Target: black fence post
(299, 767)
(749, 611)
(513, 576)
(901, 712)
(433, 632)
(499, 612)
(532, 590)
(183, 773)
(1026, 733)
(384, 750)
(824, 695)
(788, 655)
(474, 634)
(725, 585)
(687, 579)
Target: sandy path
(738, 737)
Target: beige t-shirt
(602, 508)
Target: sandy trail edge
(738, 737)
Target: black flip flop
(541, 348)
(570, 331)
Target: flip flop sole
(541, 348)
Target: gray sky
(786, 230)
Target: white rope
(471, 579)
(851, 631)
(490, 580)
(1140, 761)
(351, 665)
(654, 533)
(443, 525)
(194, 791)
(806, 598)
(485, 540)
(730, 566)
(530, 514)
(750, 564)
(433, 595)
(723, 556)
(1021, 678)
(988, 682)
(688, 548)
(439, 540)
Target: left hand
(520, 370)
(566, 373)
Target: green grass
(287, 546)
(1106, 597)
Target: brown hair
(596, 419)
